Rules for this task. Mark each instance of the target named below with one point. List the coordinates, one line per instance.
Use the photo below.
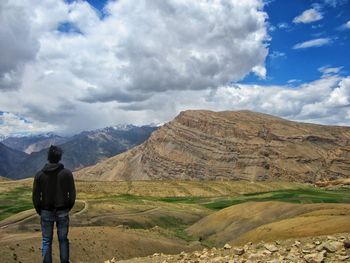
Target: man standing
(53, 198)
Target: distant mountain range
(34, 143)
(232, 145)
(10, 159)
(84, 149)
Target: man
(53, 198)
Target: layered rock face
(207, 145)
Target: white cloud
(335, 3)
(277, 54)
(318, 42)
(283, 26)
(344, 26)
(308, 16)
(137, 50)
(327, 70)
(325, 101)
(144, 63)
(11, 124)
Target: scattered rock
(227, 246)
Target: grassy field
(14, 201)
(156, 210)
(16, 196)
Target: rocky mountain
(230, 145)
(87, 148)
(34, 143)
(10, 159)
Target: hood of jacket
(50, 167)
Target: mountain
(33, 143)
(232, 145)
(9, 159)
(87, 148)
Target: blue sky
(303, 64)
(69, 66)
(285, 64)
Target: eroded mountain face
(207, 145)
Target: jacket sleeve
(36, 195)
(71, 191)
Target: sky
(69, 66)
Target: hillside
(86, 148)
(232, 145)
(9, 159)
(269, 221)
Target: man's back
(53, 188)
(53, 198)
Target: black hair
(54, 154)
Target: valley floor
(124, 220)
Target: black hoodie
(53, 188)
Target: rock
(346, 244)
(333, 246)
(227, 246)
(331, 238)
(315, 257)
(271, 247)
(292, 257)
(296, 243)
(239, 251)
(309, 246)
(197, 254)
(218, 260)
(343, 258)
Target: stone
(218, 260)
(333, 246)
(346, 244)
(315, 257)
(331, 238)
(271, 247)
(296, 243)
(239, 251)
(227, 246)
(343, 258)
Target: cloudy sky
(68, 66)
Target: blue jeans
(48, 218)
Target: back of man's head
(54, 154)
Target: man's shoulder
(65, 172)
(38, 174)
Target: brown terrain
(241, 145)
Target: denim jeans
(48, 218)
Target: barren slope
(232, 145)
(256, 221)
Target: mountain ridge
(85, 148)
(232, 145)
